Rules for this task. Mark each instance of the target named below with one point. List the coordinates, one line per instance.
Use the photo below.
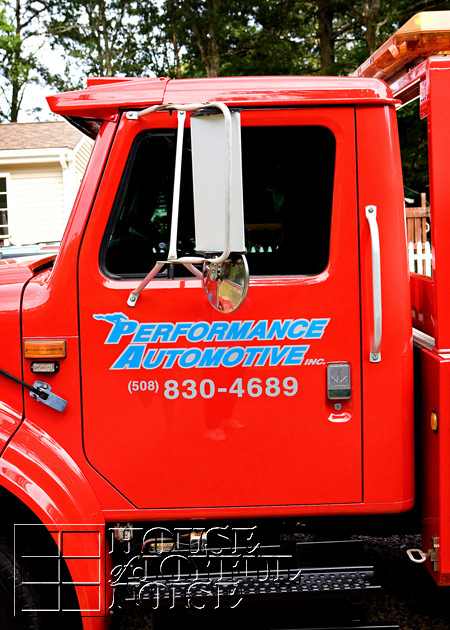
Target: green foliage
(19, 26)
(102, 38)
(192, 38)
(414, 148)
(226, 37)
(229, 38)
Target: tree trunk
(15, 84)
(207, 41)
(14, 111)
(176, 48)
(371, 9)
(214, 53)
(103, 25)
(176, 53)
(326, 34)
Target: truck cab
(274, 382)
(243, 400)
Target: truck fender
(41, 474)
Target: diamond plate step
(351, 627)
(288, 583)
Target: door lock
(338, 381)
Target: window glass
(141, 232)
(288, 175)
(3, 210)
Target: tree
(227, 37)
(204, 29)
(105, 37)
(327, 37)
(283, 41)
(19, 28)
(190, 38)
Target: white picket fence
(420, 261)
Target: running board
(352, 627)
(286, 584)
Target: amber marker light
(434, 421)
(45, 349)
(425, 34)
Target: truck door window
(141, 229)
(288, 175)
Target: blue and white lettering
(296, 355)
(137, 354)
(316, 328)
(121, 326)
(130, 359)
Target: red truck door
(186, 407)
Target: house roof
(38, 135)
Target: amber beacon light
(425, 34)
(434, 421)
(45, 349)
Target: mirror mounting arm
(187, 261)
(172, 257)
(132, 298)
(181, 109)
(192, 107)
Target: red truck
(223, 345)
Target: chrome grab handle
(371, 215)
(417, 555)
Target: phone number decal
(207, 388)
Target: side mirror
(219, 206)
(217, 179)
(218, 203)
(226, 284)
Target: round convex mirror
(226, 284)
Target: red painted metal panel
(40, 473)
(50, 311)
(422, 303)
(279, 90)
(431, 297)
(406, 87)
(12, 279)
(227, 450)
(439, 165)
(388, 385)
(52, 291)
(436, 462)
(105, 101)
(168, 514)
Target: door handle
(371, 215)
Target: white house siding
(82, 158)
(36, 203)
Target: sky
(35, 94)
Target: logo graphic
(142, 337)
(57, 559)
